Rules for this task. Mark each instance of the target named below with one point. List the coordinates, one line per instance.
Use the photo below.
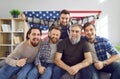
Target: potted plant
(118, 48)
(15, 13)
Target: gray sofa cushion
(68, 76)
(103, 75)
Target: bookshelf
(12, 32)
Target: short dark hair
(29, 31)
(64, 11)
(55, 27)
(88, 24)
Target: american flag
(44, 19)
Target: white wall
(109, 8)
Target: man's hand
(99, 65)
(21, 62)
(41, 69)
(73, 70)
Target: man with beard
(45, 58)
(102, 46)
(64, 20)
(73, 55)
(20, 61)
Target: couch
(103, 75)
(66, 76)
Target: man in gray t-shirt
(21, 60)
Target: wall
(110, 10)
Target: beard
(91, 38)
(64, 24)
(75, 40)
(35, 43)
(53, 40)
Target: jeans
(33, 74)
(22, 74)
(7, 71)
(113, 68)
(85, 73)
(48, 72)
(95, 73)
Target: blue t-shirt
(64, 32)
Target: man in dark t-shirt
(73, 55)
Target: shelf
(6, 45)
(5, 32)
(18, 32)
(12, 32)
(4, 51)
(5, 38)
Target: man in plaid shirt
(103, 47)
(45, 58)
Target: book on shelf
(17, 39)
(6, 28)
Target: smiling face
(54, 36)
(90, 32)
(75, 34)
(64, 19)
(34, 37)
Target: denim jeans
(85, 73)
(23, 73)
(33, 74)
(48, 72)
(95, 73)
(7, 71)
(113, 68)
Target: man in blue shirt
(103, 63)
(64, 23)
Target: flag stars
(44, 28)
(47, 17)
(37, 14)
(50, 14)
(44, 14)
(41, 17)
(47, 12)
(40, 12)
(54, 17)
(30, 14)
(57, 14)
